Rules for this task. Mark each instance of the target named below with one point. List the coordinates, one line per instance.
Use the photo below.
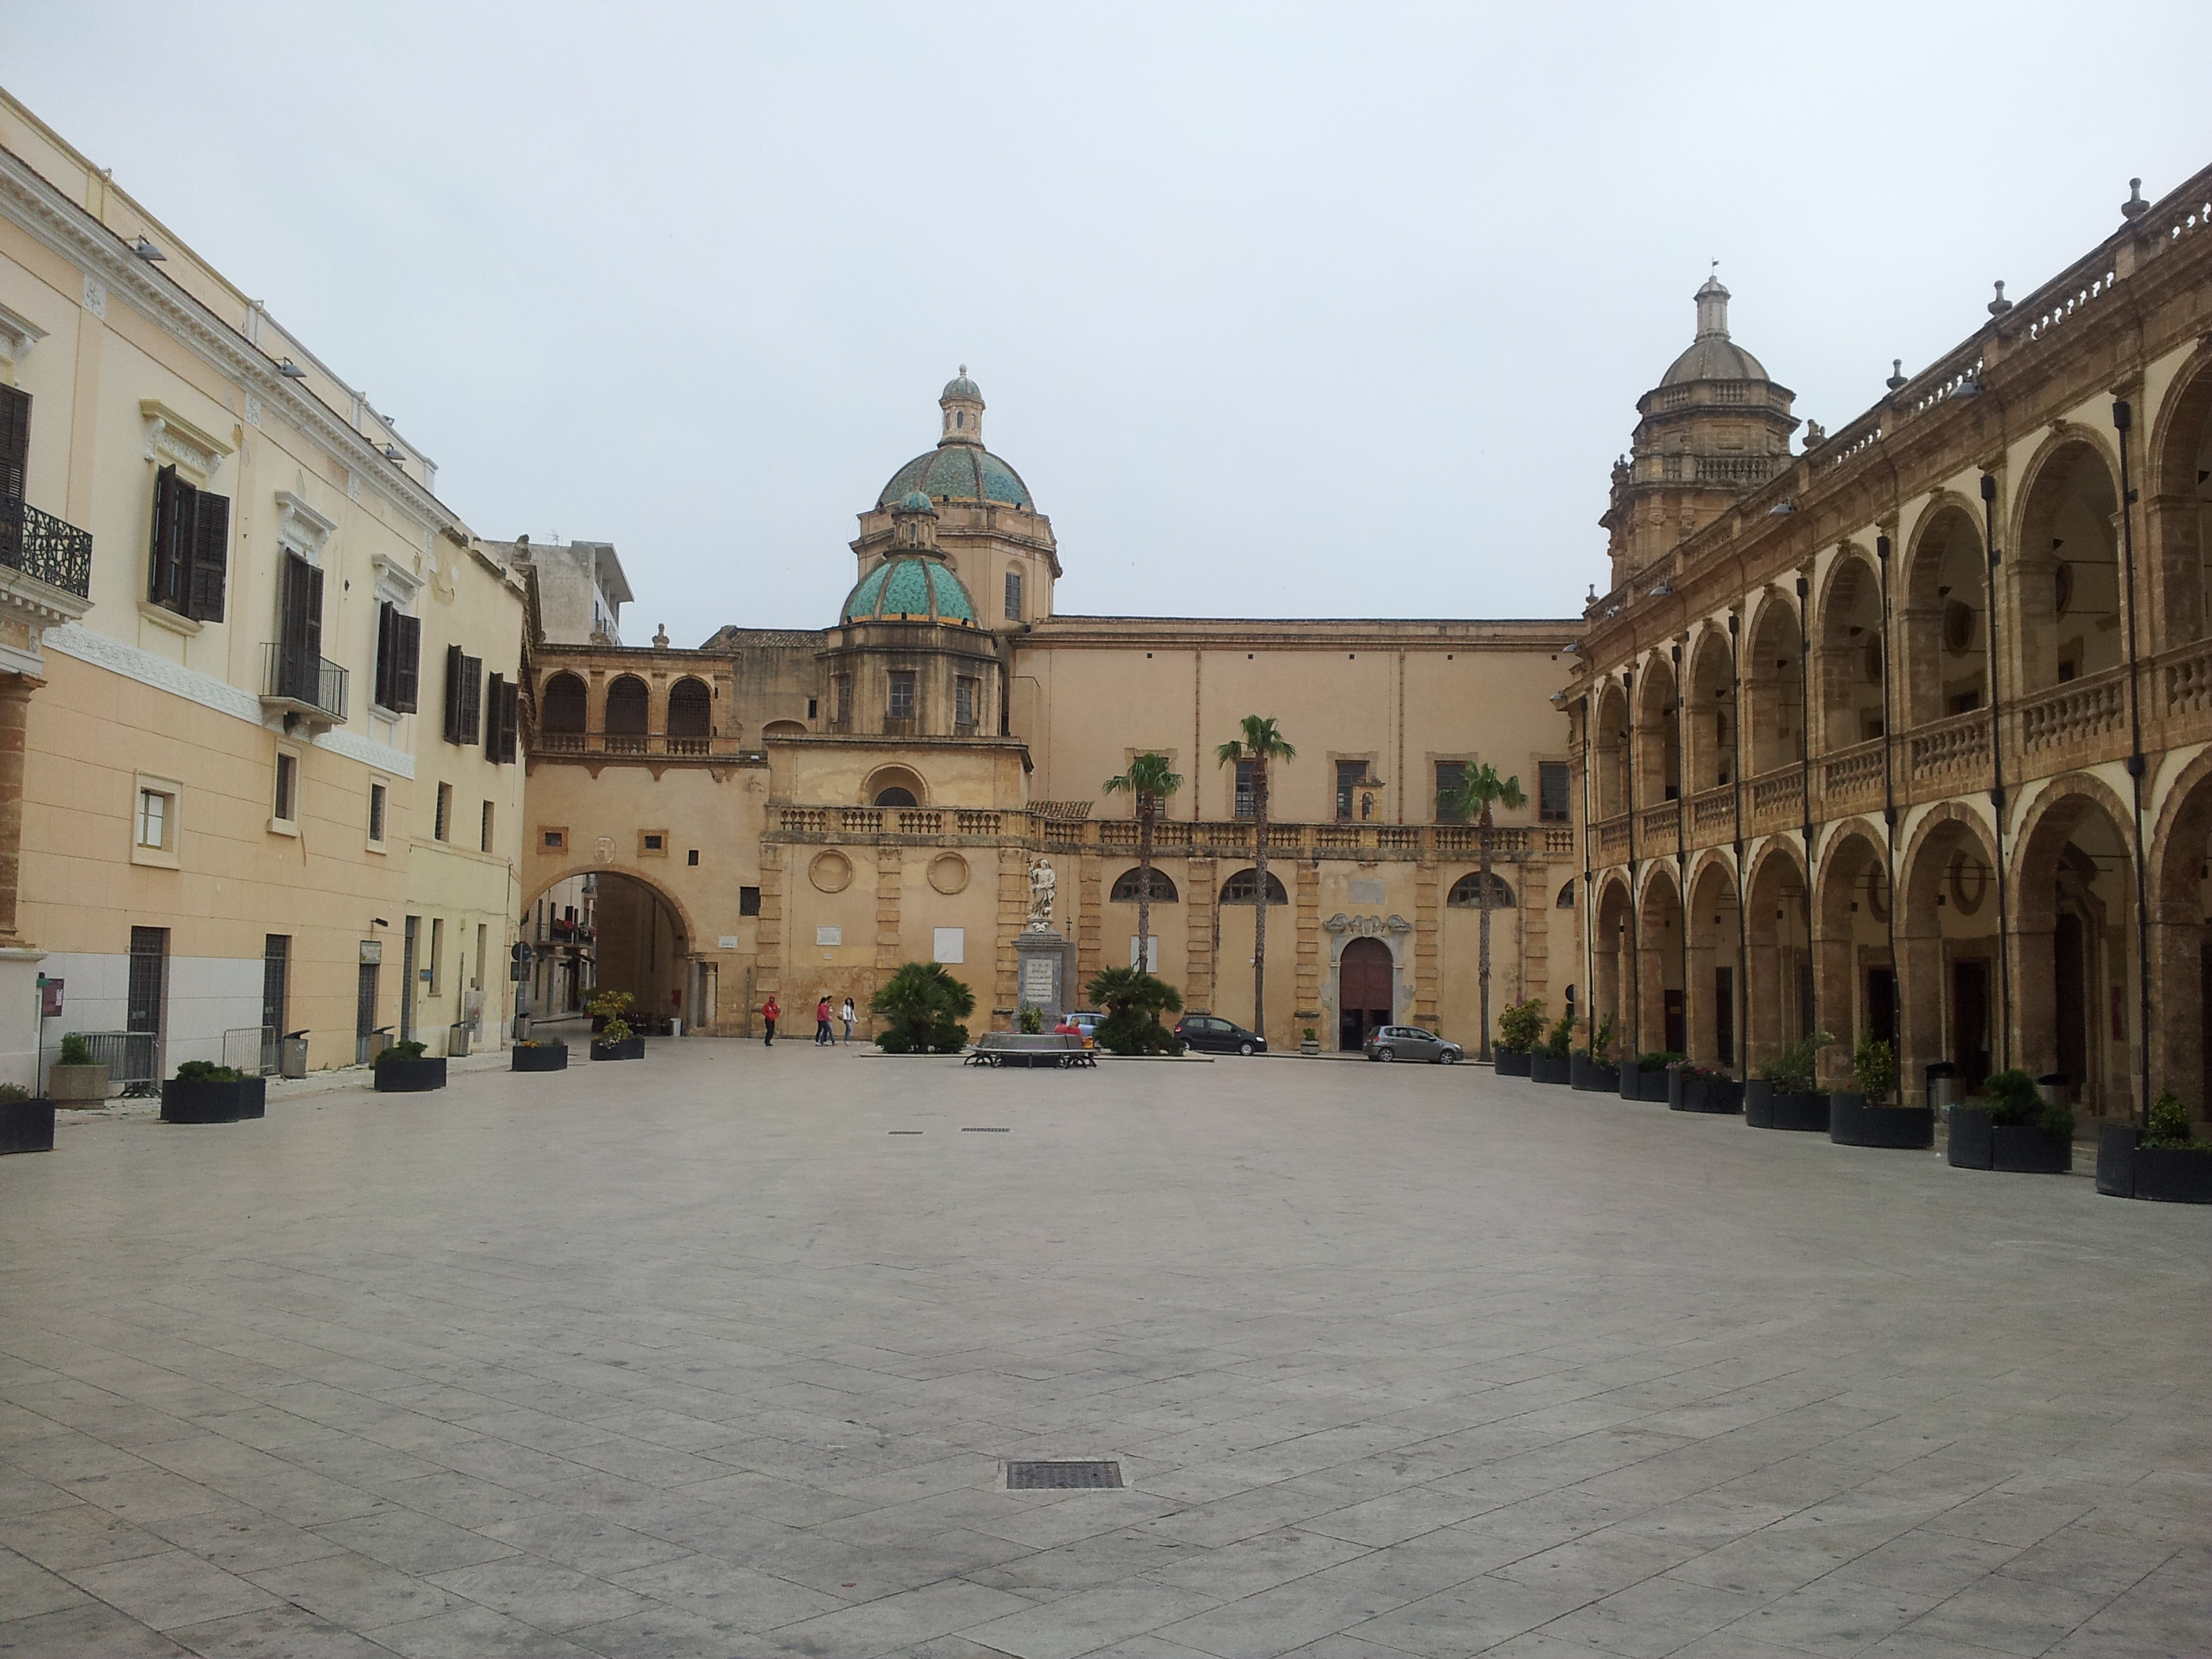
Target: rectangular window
(484, 831)
(964, 702)
(1244, 807)
(748, 901)
(501, 720)
(1013, 596)
(464, 696)
(437, 954)
(1350, 775)
(811, 707)
(14, 444)
(299, 632)
(441, 828)
(841, 687)
(286, 807)
(1449, 775)
(902, 702)
(376, 793)
(153, 816)
(1554, 805)
(149, 965)
(399, 658)
(654, 843)
(555, 840)
(191, 548)
(276, 972)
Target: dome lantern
(914, 521)
(962, 400)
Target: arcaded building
(1907, 732)
(798, 813)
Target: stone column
(15, 691)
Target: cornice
(31, 202)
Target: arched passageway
(1609, 744)
(2177, 514)
(1942, 618)
(1663, 1015)
(1849, 663)
(1612, 971)
(1658, 751)
(1947, 933)
(2065, 578)
(1709, 717)
(1774, 684)
(2181, 944)
(1856, 978)
(1779, 997)
(1716, 971)
(606, 930)
(2074, 942)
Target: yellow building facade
(797, 813)
(267, 777)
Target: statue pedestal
(1045, 976)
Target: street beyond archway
(725, 1352)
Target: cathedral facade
(797, 813)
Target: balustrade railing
(1612, 839)
(1852, 775)
(2078, 713)
(1661, 825)
(1713, 809)
(2188, 676)
(676, 745)
(1957, 744)
(39, 545)
(1779, 797)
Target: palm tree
(1152, 782)
(1480, 788)
(1261, 744)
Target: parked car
(1411, 1043)
(1221, 1036)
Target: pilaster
(768, 964)
(1089, 920)
(1198, 905)
(1308, 899)
(1425, 922)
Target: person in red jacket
(770, 1013)
(822, 1037)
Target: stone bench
(1046, 1048)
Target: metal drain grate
(1062, 1477)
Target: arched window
(626, 705)
(1243, 888)
(1466, 893)
(1129, 887)
(563, 704)
(691, 710)
(896, 796)
(1567, 896)
(784, 729)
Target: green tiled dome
(961, 472)
(921, 589)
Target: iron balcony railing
(39, 545)
(297, 678)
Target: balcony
(41, 546)
(301, 693)
(1231, 839)
(657, 745)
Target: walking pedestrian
(846, 1014)
(822, 1039)
(770, 1014)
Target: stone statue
(1043, 884)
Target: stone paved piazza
(712, 1355)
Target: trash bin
(457, 1040)
(1943, 1087)
(292, 1054)
(2056, 1088)
(676, 1027)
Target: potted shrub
(617, 1038)
(204, 1093)
(405, 1069)
(531, 1055)
(1520, 1029)
(922, 1006)
(1593, 1070)
(2012, 1127)
(1309, 1042)
(2166, 1162)
(1864, 1117)
(76, 1078)
(1644, 1077)
(27, 1121)
(1551, 1063)
(1789, 1098)
(1694, 1087)
(1134, 1000)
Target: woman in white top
(846, 1014)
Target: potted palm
(406, 1068)
(27, 1121)
(1259, 746)
(76, 1078)
(531, 1055)
(1864, 1117)
(922, 1006)
(204, 1093)
(1552, 1063)
(1592, 1069)
(2011, 1128)
(2166, 1162)
(1786, 1093)
(615, 1038)
(1520, 1029)
(1481, 788)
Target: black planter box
(627, 1049)
(1630, 1080)
(1682, 1087)
(2116, 1159)
(1654, 1087)
(409, 1076)
(1969, 1148)
(1852, 1123)
(1589, 1077)
(1807, 1114)
(544, 1057)
(1548, 1068)
(1723, 1095)
(1758, 1103)
(27, 1126)
(1512, 1065)
(2173, 1175)
(190, 1101)
(2015, 1148)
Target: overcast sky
(1279, 310)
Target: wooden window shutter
(300, 651)
(387, 653)
(210, 553)
(510, 719)
(471, 699)
(15, 440)
(452, 694)
(312, 638)
(176, 518)
(407, 663)
(491, 721)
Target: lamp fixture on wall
(146, 251)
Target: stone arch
(2062, 573)
(1855, 977)
(2073, 883)
(1610, 942)
(2177, 504)
(1466, 893)
(1714, 918)
(1129, 887)
(1773, 672)
(1365, 972)
(1662, 1020)
(630, 953)
(1609, 749)
(690, 708)
(1709, 713)
(629, 706)
(1242, 887)
(2181, 943)
(1948, 972)
(1778, 971)
(1847, 661)
(1941, 612)
(894, 786)
(1658, 749)
(563, 707)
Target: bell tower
(962, 402)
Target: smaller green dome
(910, 588)
(961, 387)
(914, 502)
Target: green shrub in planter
(204, 1092)
(27, 1121)
(1521, 1026)
(922, 1006)
(1874, 1063)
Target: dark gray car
(1411, 1043)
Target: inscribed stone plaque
(951, 944)
(1366, 890)
(1037, 979)
(830, 936)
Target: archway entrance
(604, 930)
(1364, 974)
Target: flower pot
(631, 1048)
(1545, 1067)
(408, 1077)
(77, 1085)
(1309, 1046)
(544, 1057)
(1807, 1114)
(28, 1126)
(195, 1101)
(1630, 1080)
(1852, 1123)
(1510, 1064)
(1758, 1103)
(1969, 1145)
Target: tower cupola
(1712, 309)
(913, 524)
(962, 400)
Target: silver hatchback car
(1411, 1043)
